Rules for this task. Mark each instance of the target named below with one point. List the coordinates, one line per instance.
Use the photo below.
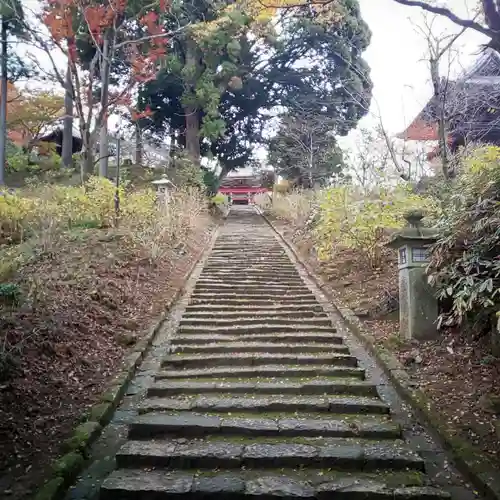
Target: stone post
(418, 306)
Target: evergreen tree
(310, 57)
(11, 24)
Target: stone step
(252, 313)
(314, 386)
(187, 361)
(254, 298)
(251, 287)
(348, 405)
(140, 484)
(236, 300)
(254, 273)
(244, 321)
(362, 456)
(251, 281)
(250, 329)
(265, 371)
(261, 347)
(245, 262)
(264, 307)
(154, 425)
(257, 292)
(245, 266)
(319, 338)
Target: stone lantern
(163, 189)
(418, 306)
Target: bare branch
(443, 11)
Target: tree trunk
(3, 100)
(87, 163)
(67, 139)
(103, 130)
(441, 123)
(311, 161)
(192, 134)
(138, 145)
(191, 111)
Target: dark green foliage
(12, 13)
(9, 293)
(211, 181)
(465, 264)
(270, 73)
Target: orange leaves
(137, 115)
(58, 17)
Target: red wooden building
(242, 189)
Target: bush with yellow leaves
(13, 213)
(42, 211)
(363, 221)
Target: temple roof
(472, 103)
(241, 181)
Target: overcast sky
(397, 54)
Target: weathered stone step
(237, 300)
(296, 337)
(269, 295)
(348, 405)
(257, 292)
(278, 269)
(251, 329)
(251, 283)
(239, 255)
(265, 371)
(352, 386)
(251, 278)
(261, 347)
(205, 314)
(255, 273)
(264, 320)
(256, 359)
(140, 484)
(239, 261)
(364, 456)
(252, 286)
(264, 308)
(154, 425)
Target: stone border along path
(255, 388)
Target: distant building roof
(472, 103)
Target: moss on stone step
(50, 490)
(68, 466)
(83, 436)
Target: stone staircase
(260, 397)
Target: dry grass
(294, 207)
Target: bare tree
(439, 46)
(488, 24)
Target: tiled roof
(469, 102)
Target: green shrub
(465, 263)
(219, 199)
(9, 293)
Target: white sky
(397, 54)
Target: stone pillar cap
(413, 233)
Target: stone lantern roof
(413, 232)
(164, 181)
